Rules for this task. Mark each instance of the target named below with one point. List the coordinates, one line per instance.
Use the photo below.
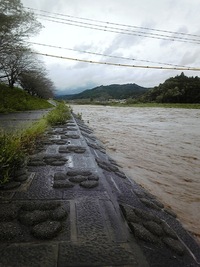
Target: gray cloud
(169, 15)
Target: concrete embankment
(74, 206)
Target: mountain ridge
(105, 92)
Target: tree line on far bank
(178, 89)
(18, 64)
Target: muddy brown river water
(158, 148)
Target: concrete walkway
(76, 207)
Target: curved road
(19, 120)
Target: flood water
(158, 148)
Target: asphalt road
(19, 120)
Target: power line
(100, 54)
(117, 64)
(118, 24)
(117, 30)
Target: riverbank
(74, 206)
(158, 148)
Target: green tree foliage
(16, 24)
(18, 64)
(113, 91)
(179, 89)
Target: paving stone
(11, 185)
(46, 230)
(64, 149)
(8, 212)
(120, 174)
(149, 204)
(175, 245)
(21, 178)
(58, 163)
(34, 217)
(9, 230)
(77, 179)
(86, 130)
(60, 176)
(142, 233)
(36, 163)
(166, 228)
(130, 214)
(89, 184)
(158, 203)
(154, 228)
(91, 137)
(20, 172)
(59, 142)
(75, 172)
(106, 165)
(73, 136)
(93, 177)
(58, 214)
(36, 255)
(40, 205)
(62, 184)
(147, 215)
(55, 160)
(170, 212)
(71, 148)
(107, 254)
(139, 193)
(71, 124)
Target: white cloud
(169, 15)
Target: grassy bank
(164, 105)
(15, 99)
(15, 147)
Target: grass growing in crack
(15, 147)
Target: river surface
(158, 148)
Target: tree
(36, 83)
(16, 24)
(14, 61)
(17, 60)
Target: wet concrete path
(74, 206)
(19, 120)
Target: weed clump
(15, 147)
(58, 115)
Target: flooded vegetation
(158, 148)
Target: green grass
(15, 147)
(15, 99)
(59, 115)
(163, 105)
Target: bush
(58, 115)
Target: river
(158, 148)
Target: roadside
(19, 120)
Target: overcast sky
(169, 15)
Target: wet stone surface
(83, 178)
(82, 210)
(151, 229)
(43, 220)
(43, 160)
(72, 148)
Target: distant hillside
(15, 99)
(114, 91)
(179, 89)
